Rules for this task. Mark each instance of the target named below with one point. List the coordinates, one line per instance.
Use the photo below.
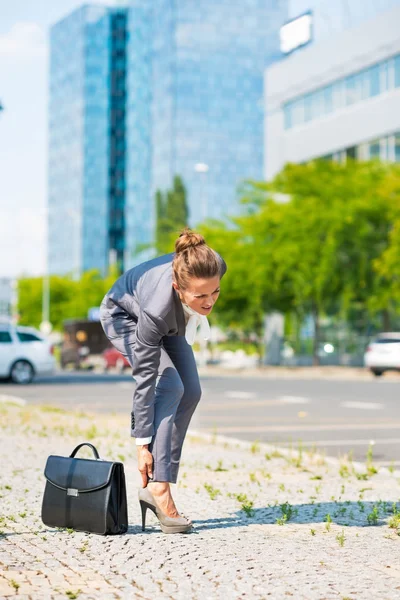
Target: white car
(383, 353)
(24, 353)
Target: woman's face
(201, 294)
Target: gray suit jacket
(136, 313)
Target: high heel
(167, 524)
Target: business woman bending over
(151, 315)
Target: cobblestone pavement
(267, 524)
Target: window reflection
(367, 83)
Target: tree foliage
(319, 238)
(69, 298)
(172, 215)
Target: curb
(4, 399)
(221, 440)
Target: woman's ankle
(159, 486)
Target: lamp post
(202, 169)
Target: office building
(332, 17)
(195, 107)
(86, 181)
(337, 98)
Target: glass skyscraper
(195, 104)
(86, 184)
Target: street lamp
(203, 169)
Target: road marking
(222, 406)
(357, 442)
(294, 400)
(363, 405)
(239, 395)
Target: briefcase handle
(96, 454)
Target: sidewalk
(270, 372)
(267, 525)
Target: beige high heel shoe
(167, 524)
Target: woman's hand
(145, 463)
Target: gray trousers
(177, 394)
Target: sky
(24, 32)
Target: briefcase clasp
(72, 492)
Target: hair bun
(188, 239)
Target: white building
(336, 98)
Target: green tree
(307, 243)
(69, 298)
(171, 215)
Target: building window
(373, 81)
(397, 71)
(397, 147)
(351, 152)
(374, 149)
(368, 83)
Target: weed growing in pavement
(84, 546)
(361, 505)
(253, 478)
(282, 487)
(328, 520)
(373, 516)
(391, 467)
(266, 474)
(70, 530)
(371, 469)
(245, 502)
(315, 477)
(14, 584)
(341, 538)
(248, 508)
(394, 522)
(219, 467)
(312, 531)
(52, 409)
(344, 471)
(287, 510)
(22, 515)
(12, 518)
(255, 447)
(317, 489)
(72, 595)
(274, 454)
(8, 487)
(212, 491)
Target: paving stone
(242, 546)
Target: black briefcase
(85, 494)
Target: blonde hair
(193, 258)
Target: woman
(151, 315)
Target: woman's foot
(161, 493)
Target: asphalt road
(335, 415)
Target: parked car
(113, 358)
(383, 353)
(24, 353)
